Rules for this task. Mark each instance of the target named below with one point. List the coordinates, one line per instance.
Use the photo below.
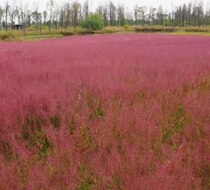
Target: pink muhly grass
(105, 112)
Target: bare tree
(190, 14)
(85, 9)
(24, 15)
(207, 15)
(121, 15)
(128, 17)
(6, 11)
(45, 17)
(184, 15)
(99, 10)
(112, 13)
(200, 14)
(68, 13)
(56, 17)
(136, 14)
(1, 16)
(62, 17)
(103, 11)
(75, 13)
(13, 13)
(142, 14)
(37, 16)
(152, 13)
(50, 5)
(105, 15)
(160, 15)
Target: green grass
(34, 35)
(192, 33)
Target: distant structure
(18, 27)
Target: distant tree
(85, 9)
(121, 15)
(56, 17)
(71, 14)
(24, 15)
(160, 15)
(45, 17)
(152, 13)
(37, 16)
(6, 11)
(1, 16)
(136, 14)
(128, 18)
(103, 11)
(112, 13)
(94, 21)
(200, 14)
(76, 13)
(184, 15)
(189, 12)
(62, 17)
(105, 15)
(99, 10)
(207, 16)
(13, 12)
(50, 5)
(67, 15)
(143, 11)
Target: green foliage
(175, 123)
(31, 125)
(72, 126)
(6, 149)
(81, 169)
(204, 173)
(86, 185)
(55, 121)
(31, 34)
(93, 21)
(36, 137)
(86, 182)
(6, 35)
(85, 141)
(155, 29)
(178, 117)
(43, 144)
(99, 112)
(166, 135)
(142, 95)
(115, 183)
(195, 30)
(126, 25)
(94, 105)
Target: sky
(167, 4)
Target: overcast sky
(167, 4)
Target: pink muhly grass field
(129, 112)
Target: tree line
(72, 14)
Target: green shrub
(126, 26)
(196, 30)
(6, 35)
(155, 29)
(93, 21)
